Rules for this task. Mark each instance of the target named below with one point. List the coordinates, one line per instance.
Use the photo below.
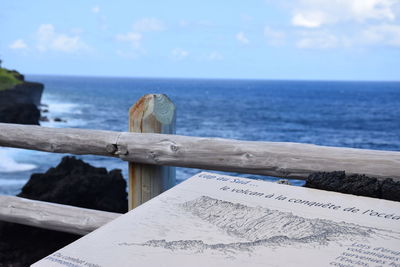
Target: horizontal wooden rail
(289, 160)
(52, 216)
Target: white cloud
(49, 39)
(179, 53)
(148, 25)
(372, 9)
(345, 23)
(133, 38)
(95, 9)
(385, 34)
(317, 39)
(242, 38)
(309, 20)
(18, 44)
(274, 37)
(215, 56)
(139, 29)
(316, 13)
(374, 35)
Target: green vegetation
(8, 79)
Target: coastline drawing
(263, 227)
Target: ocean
(332, 113)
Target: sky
(252, 39)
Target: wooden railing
(52, 216)
(288, 160)
(151, 145)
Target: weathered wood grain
(52, 216)
(153, 113)
(58, 140)
(288, 160)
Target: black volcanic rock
(20, 104)
(22, 245)
(20, 113)
(24, 93)
(59, 120)
(72, 182)
(356, 184)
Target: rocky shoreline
(72, 182)
(356, 184)
(21, 103)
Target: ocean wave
(8, 164)
(71, 114)
(59, 105)
(64, 108)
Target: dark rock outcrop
(59, 120)
(24, 93)
(16, 104)
(72, 182)
(355, 184)
(20, 113)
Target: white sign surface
(215, 220)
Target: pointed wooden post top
(152, 113)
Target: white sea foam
(59, 106)
(70, 113)
(8, 164)
(64, 108)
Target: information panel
(217, 220)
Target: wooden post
(153, 113)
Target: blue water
(344, 114)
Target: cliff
(257, 227)
(23, 93)
(258, 223)
(19, 99)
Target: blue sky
(261, 39)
